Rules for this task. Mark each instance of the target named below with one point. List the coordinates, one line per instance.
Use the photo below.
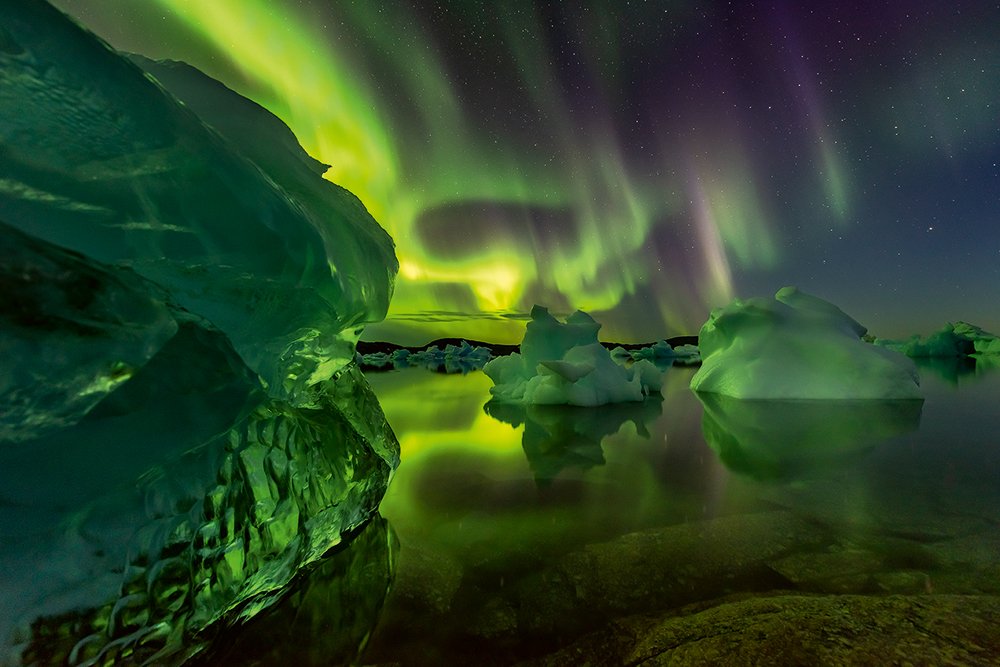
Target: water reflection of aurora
(467, 478)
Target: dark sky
(645, 161)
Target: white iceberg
(564, 364)
(797, 346)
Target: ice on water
(562, 363)
(797, 346)
(959, 339)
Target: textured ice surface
(183, 425)
(796, 346)
(563, 363)
(954, 340)
(234, 221)
(71, 331)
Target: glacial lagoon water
(512, 535)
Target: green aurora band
(368, 92)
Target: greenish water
(517, 535)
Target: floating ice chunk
(796, 346)
(662, 353)
(954, 340)
(991, 346)
(564, 364)
(462, 358)
(688, 354)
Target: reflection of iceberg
(951, 369)
(328, 614)
(208, 494)
(178, 316)
(789, 439)
(557, 437)
(987, 363)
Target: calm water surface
(508, 534)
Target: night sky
(644, 161)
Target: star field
(646, 161)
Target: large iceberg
(564, 364)
(796, 346)
(183, 426)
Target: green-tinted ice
(182, 425)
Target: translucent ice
(233, 220)
(182, 426)
(76, 329)
(796, 346)
(563, 363)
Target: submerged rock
(186, 428)
(660, 569)
(801, 630)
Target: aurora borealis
(643, 161)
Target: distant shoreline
(499, 349)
